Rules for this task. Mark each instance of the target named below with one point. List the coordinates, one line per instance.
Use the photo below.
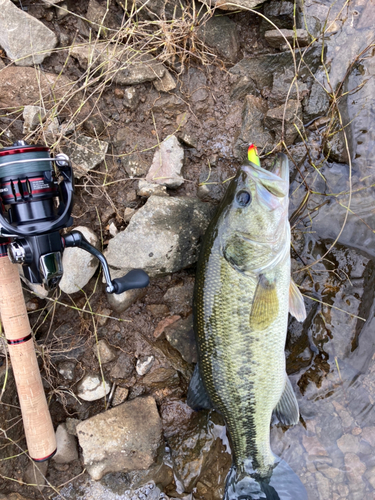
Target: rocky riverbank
(155, 103)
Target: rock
(35, 474)
(276, 38)
(71, 425)
(196, 450)
(125, 438)
(121, 61)
(62, 11)
(368, 434)
(66, 446)
(243, 86)
(355, 468)
(181, 336)
(121, 302)
(313, 446)
(220, 33)
(160, 378)
(166, 83)
(85, 154)
(155, 9)
(176, 417)
(158, 310)
(120, 395)
(123, 368)
(324, 486)
(128, 214)
(92, 387)
(180, 298)
(131, 98)
(167, 164)
(238, 5)
(112, 229)
(67, 369)
(317, 103)
(79, 266)
(312, 16)
(30, 86)
(104, 352)
(253, 128)
(32, 116)
(144, 364)
(280, 12)
(290, 116)
(25, 39)
(166, 233)
(100, 18)
(348, 443)
(281, 87)
(147, 189)
(262, 68)
(162, 325)
(211, 187)
(335, 147)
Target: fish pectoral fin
(296, 302)
(286, 409)
(265, 306)
(197, 397)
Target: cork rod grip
(40, 436)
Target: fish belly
(243, 370)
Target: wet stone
(92, 387)
(317, 103)
(123, 368)
(348, 443)
(324, 486)
(176, 416)
(66, 446)
(253, 127)
(179, 298)
(125, 438)
(355, 468)
(220, 33)
(181, 336)
(275, 38)
(293, 116)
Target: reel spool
(36, 201)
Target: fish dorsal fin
(296, 302)
(265, 306)
(286, 409)
(197, 397)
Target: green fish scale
(243, 371)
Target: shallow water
(331, 358)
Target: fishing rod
(36, 201)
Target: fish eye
(243, 198)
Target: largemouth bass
(243, 293)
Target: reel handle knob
(136, 278)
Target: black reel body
(36, 201)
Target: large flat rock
(162, 237)
(125, 438)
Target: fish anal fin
(265, 306)
(197, 397)
(296, 302)
(286, 409)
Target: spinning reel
(36, 201)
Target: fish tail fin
(282, 484)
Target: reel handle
(40, 435)
(137, 278)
